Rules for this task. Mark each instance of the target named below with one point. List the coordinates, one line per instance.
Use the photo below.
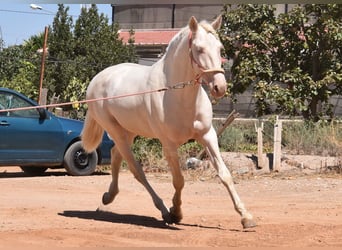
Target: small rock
(243, 170)
(193, 163)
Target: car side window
(3, 104)
(2, 101)
(10, 101)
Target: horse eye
(200, 50)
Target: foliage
(2, 44)
(60, 68)
(18, 70)
(298, 137)
(75, 91)
(149, 153)
(306, 138)
(87, 48)
(9, 63)
(76, 52)
(239, 137)
(292, 61)
(97, 44)
(190, 149)
(33, 45)
(319, 138)
(21, 82)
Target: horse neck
(177, 68)
(177, 62)
(191, 102)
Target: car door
(25, 136)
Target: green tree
(34, 44)
(2, 44)
(22, 81)
(292, 61)
(60, 68)
(75, 54)
(97, 44)
(9, 61)
(18, 70)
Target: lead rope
(180, 85)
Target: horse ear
(193, 24)
(217, 22)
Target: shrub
(321, 138)
(313, 138)
(150, 154)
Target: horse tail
(91, 134)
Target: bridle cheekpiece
(199, 66)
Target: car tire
(33, 171)
(79, 163)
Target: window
(10, 101)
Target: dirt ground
(298, 206)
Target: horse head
(205, 53)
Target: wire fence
(271, 142)
(245, 106)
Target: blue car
(35, 139)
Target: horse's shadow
(106, 216)
(130, 219)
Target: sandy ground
(291, 208)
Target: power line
(27, 12)
(47, 13)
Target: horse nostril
(216, 88)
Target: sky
(18, 22)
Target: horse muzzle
(218, 85)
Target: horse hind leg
(123, 144)
(113, 190)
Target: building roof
(150, 36)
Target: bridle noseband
(199, 66)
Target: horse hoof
(106, 199)
(248, 223)
(176, 217)
(167, 218)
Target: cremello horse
(173, 116)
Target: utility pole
(42, 66)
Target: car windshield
(10, 101)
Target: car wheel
(79, 163)
(33, 171)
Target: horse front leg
(171, 155)
(210, 142)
